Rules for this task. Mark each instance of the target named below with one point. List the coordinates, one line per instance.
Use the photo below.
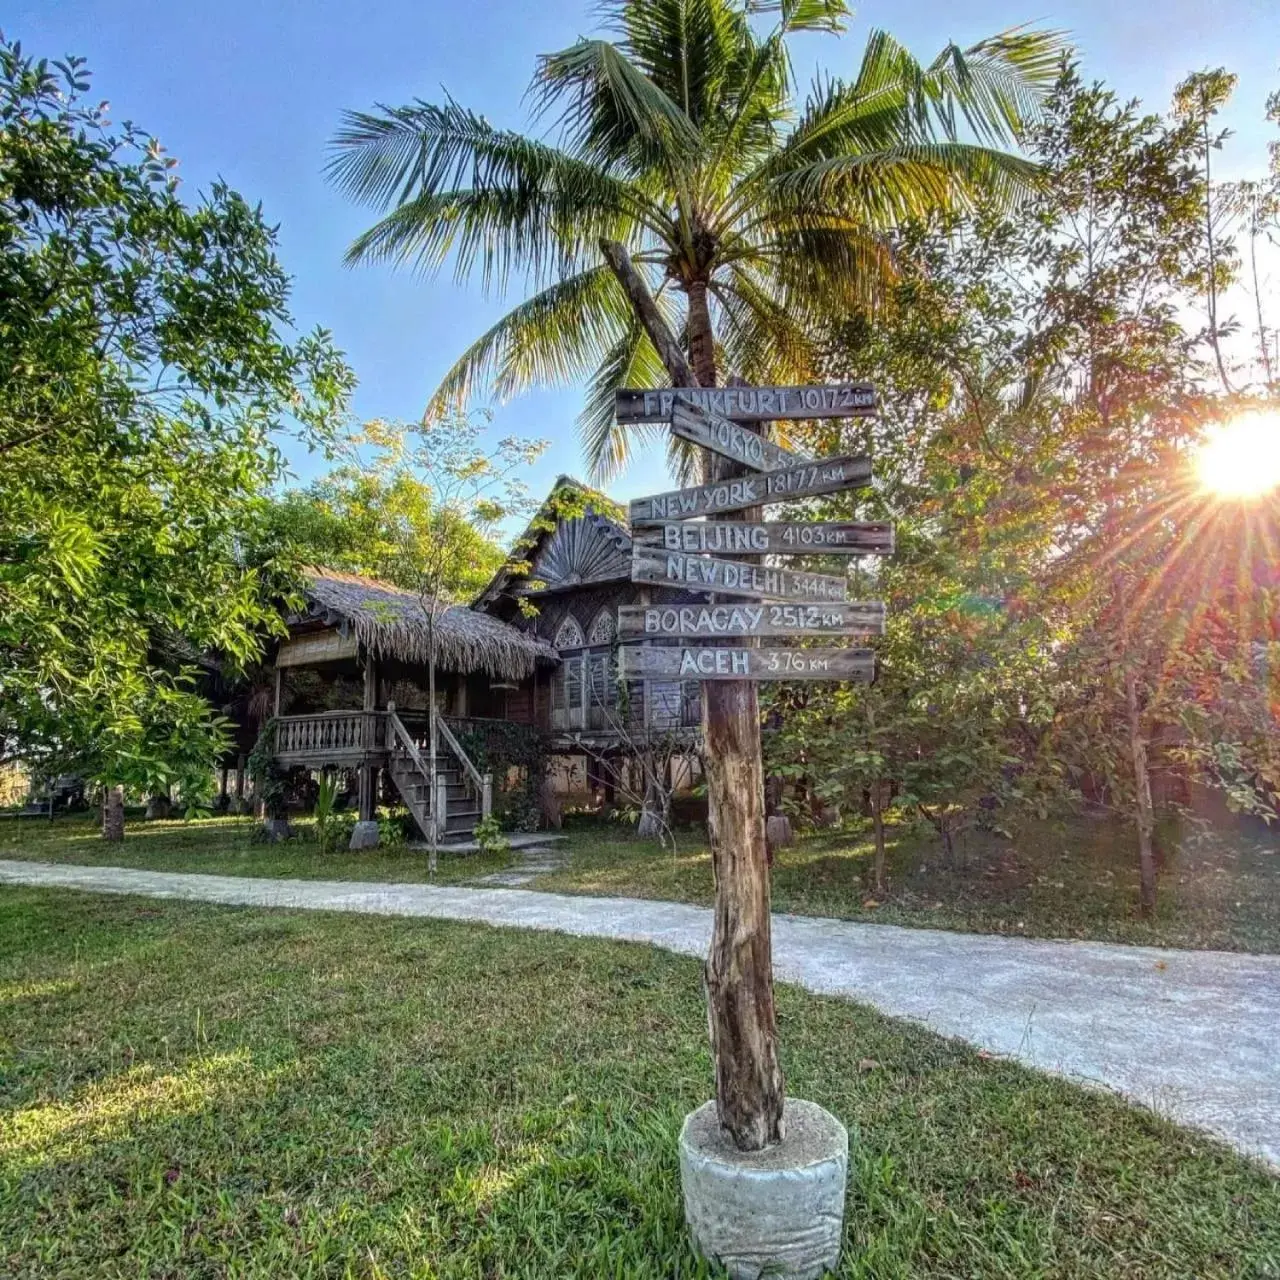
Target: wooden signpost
(736, 537)
(683, 662)
(744, 619)
(728, 439)
(808, 480)
(752, 404)
(683, 541)
(733, 577)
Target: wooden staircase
(462, 794)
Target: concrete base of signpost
(364, 835)
(776, 1212)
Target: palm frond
(557, 336)
(611, 111)
(888, 187)
(999, 85)
(805, 15)
(630, 362)
(456, 183)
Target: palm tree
(686, 194)
(753, 217)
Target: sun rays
(1240, 459)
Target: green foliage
(1042, 399)
(147, 379)
(685, 137)
(489, 836)
(271, 784)
(357, 519)
(518, 756)
(326, 816)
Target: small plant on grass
(490, 837)
(326, 816)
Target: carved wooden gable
(585, 549)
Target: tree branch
(646, 310)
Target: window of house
(568, 689)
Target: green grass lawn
(1070, 880)
(1062, 880)
(196, 1091)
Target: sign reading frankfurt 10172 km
(679, 539)
(752, 404)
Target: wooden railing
(329, 733)
(481, 783)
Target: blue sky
(251, 90)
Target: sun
(1241, 458)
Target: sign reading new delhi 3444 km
(674, 532)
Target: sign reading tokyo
(752, 404)
(681, 662)
(730, 440)
(714, 621)
(736, 537)
(732, 577)
(808, 480)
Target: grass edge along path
(196, 1090)
(1071, 880)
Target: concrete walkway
(1194, 1035)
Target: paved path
(1192, 1034)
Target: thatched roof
(392, 623)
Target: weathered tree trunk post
(365, 833)
(113, 813)
(739, 970)
(1142, 796)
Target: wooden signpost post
(683, 541)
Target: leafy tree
(1043, 398)
(146, 381)
(752, 214)
(475, 487)
(356, 518)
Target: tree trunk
(744, 1034)
(739, 970)
(1142, 796)
(113, 814)
(437, 818)
(877, 823)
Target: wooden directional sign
(733, 578)
(752, 404)
(683, 662)
(735, 537)
(830, 475)
(716, 621)
(729, 439)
